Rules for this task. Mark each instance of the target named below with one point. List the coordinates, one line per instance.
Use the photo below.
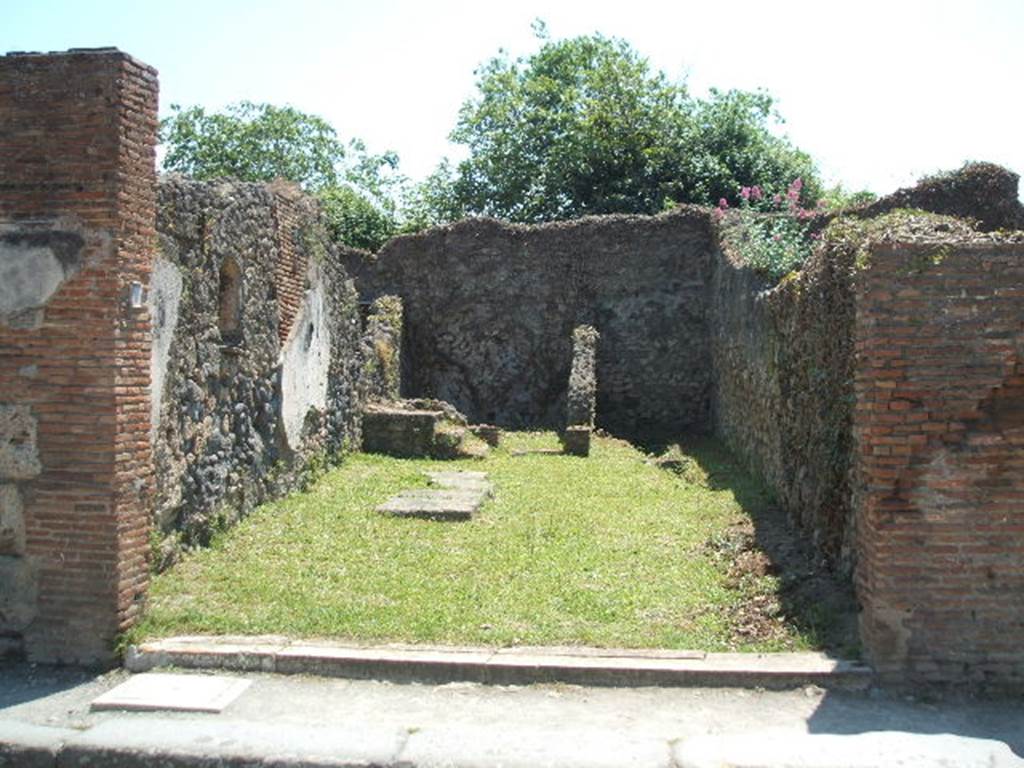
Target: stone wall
(77, 197)
(490, 309)
(257, 357)
(939, 482)
(382, 349)
(783, 393)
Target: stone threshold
(502, 666)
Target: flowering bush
(770, 232)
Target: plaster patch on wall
(33, 266)
(305, 363)
(164, 301)
(19, 454)
(12, 521)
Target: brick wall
(939, 481)
(291, 211)
(77, 207)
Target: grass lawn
(607, 551)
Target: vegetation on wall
(263, 142)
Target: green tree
(583, 126)
(263, 142)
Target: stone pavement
(296, 720)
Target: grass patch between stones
(609, 550)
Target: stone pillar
(77, 234)
(582, 394)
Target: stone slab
(460, 480)
(438, 505)
(458, 497)
(177, 693)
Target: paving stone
(465, 480)
(459, 497)
(436, 505)
(179, 693)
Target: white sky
(879, 93)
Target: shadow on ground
(820, 605)
(21, 683)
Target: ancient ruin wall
(382, 350)
(256, 358)
(490, 309)
(783, 387)
(939, 482)
(77, 210)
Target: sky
(879, 93)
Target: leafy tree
(583, 126)
(262, 142)
(252, 142)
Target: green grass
(606, 550)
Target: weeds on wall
(771, 233)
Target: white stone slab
(179, 693)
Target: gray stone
(582, 393)
(486, 747)
(177, 693)
(576, 440)
(19, 454)
(433, 505)
(152, 740)
(489, 433)
(18, 586)
(399, 432)
(24, 745)
(382, 349)
(12, 521)
(461, 480)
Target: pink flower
(776, 198)
(723, 203)
(745, 193)
(794, 189)
(756, 193)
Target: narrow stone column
(582, 396)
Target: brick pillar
(939, 491)
(77, 232)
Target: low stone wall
(257, 352)
(490, 309)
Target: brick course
(78, 155)
(939, 480)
